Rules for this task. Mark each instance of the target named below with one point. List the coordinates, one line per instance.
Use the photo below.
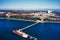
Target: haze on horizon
(29, 4)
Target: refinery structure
(35, 16)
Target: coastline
(18, 19)
(32, 20)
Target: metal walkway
(30, 37)
(28, 26)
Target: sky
(29, 4)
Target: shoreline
(18, 19)
(32, 20)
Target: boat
(20, 33)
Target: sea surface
(42, 31)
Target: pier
(24, 35)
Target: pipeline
(28, 26)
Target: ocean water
(42, 31)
